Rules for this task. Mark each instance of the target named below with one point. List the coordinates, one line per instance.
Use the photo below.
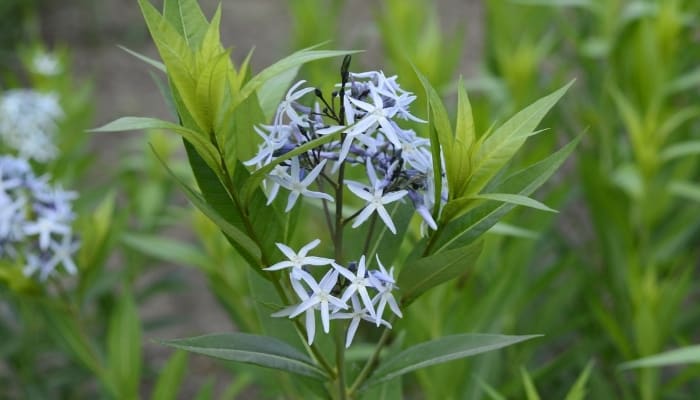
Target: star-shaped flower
(376, 199)
(384, 282)
(44, 227)
(296, 261)
(358, 313)
(298, 186)
(286, 106)
(359, 282)
(321, 296)
(310, 322)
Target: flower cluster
(28, 123)
(364, 113)
(35, 221)
(46, 64)
(353, 293)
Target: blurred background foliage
(611, 278)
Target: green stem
(372, 362)
(228, 183)
(340, 362)
(338, 233)
(370, 232)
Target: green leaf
(248, 249)
(292, 61)
(252, 349)
(681, 150)
(179, 60)
(166, 249)
(440, 133)
(170, 377)
(446, 348)
(203, 146)
(684, 355)
(684, 189)
(516, 199)
(427, 272)
(188, 19)
(460, 169)
(467, 228)
(67, 330)
(578, 390)
(258, 176)
(124, 347)
(530, 390)
(148, 60)
(498, 148)
(271, 92)
(502, 228)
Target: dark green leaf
(427, 272)
(684, 355)
(166, 249)
(124, 347)
(253, 349)
(469, 227)
(170, 377)
(441, 350)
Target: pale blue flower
(298, 186)
(297, 261)
(376, 199)
(320, 296)
(358, 284)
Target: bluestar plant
(28, 123)
(35, 221)
(350, 152)
(367, 108)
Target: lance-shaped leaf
(495, 150)
(684, 355)
(252, 349)
(179, 60)
(427, 272)
(204, 148)
(170, 377)
(516, 199)
(438, 351)
(243, 243)
(258, 176)
(467, 228)
(461, 151)
(124, 348)
(440, 132)
(148, 60)
(189, 20)
(292, 61)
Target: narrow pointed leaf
(204, 148)
(246, 246)
(682, 356)
(124, 347)
(470, 226)
(441, 350)
(578, 390)
(292, 61)
(258, 176)
(516, 199)
(148, 60)
(189, 20)
(428, 272)
(461, 150)
(252, 349)
(530, 390)
(170, 377)
(499, 147)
